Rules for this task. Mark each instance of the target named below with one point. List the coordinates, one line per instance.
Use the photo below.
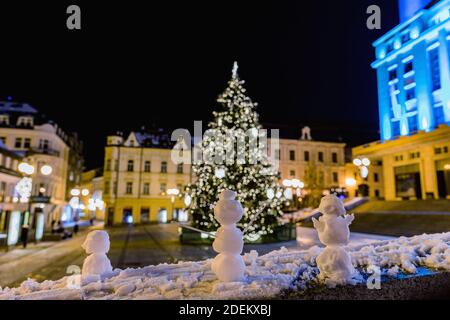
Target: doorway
(127, 217)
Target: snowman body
(334, 262)
(96, 245)
(228, 265)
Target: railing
(47, 151)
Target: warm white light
(364, 172)
(173, 192)
(447, 166)
(187, 200)
(46, 170)
(84, 192)
(350, 182)
(357, 162)
(287, 183)
(75, 192)
(26, 168)
(42, 190)
(219, 173)
(366, 162)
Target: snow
(334, 263)
(266, 276)
(228, 265)
(97, 245)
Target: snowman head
(331, 205)
(228, 210)
(96, 242)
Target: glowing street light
(85, 192)
(26, 168)
(350, 182)
(75, 192)
(46, 170)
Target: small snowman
(334, 262)
(228, 265)
(96, 245)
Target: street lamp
(291, 185)
(172, 193)
(363, 164)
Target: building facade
(41, 143)
(413, 71)
(305, 160)
(141, 182)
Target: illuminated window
(412, 123)
(162, 187)
(410, 94)
(292, 173)
(409, 67)
(434, 69)
(25, 121)
(439, 115)
(4, 119)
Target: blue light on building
(413, 70)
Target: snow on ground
(267, 276)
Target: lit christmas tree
(233, 159)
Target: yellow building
(413, 167)
(141, 182)
(298, 157)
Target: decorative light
(46, 170)
(219, 173)
(447, 166)
(173, 192)
(84, 192)
(75, 192)
(350, 182)
(288, 193)
(365, 162)
(287, 183)
(364, 172)
(26, 168)
(42, 190)
(357, 162)
(187, 200)
(74, 202)
(23, 188)
(270, 193)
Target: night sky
(135, 65)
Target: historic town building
(413, 70)
(141, 182)
(52, 156)
(312, 162)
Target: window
(146, 190)
(180, 168)
(18, 143)
(412, 123)
(4, 119)
(334, 157)
(435, 69)
(398, 158)
(320, 156)
(306, 156)
(130, 166)
(409, 66)
(106, 188)
(321, 178)
(147, 166)
(25, 121)
(445, 149)
(335, 177)
(292, 173)
(377, 193)
(292, 155)
(375, 177)
(43, 144)
(392, 74)
(162, 187)
(3, 139)
(27, 143)
(414, 155)
(439, 115)
(180, 187)
(410, 94)
(164, 167)
(395, 128)
(108, 165)
(129, 188)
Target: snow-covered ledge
(282, 273)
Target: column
(384, 103)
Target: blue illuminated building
(413, 70)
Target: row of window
(306, 156)
(21, 121)
(129, 190)
(8, 162)
(147, 166)
(25, 143)
(321, 176)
